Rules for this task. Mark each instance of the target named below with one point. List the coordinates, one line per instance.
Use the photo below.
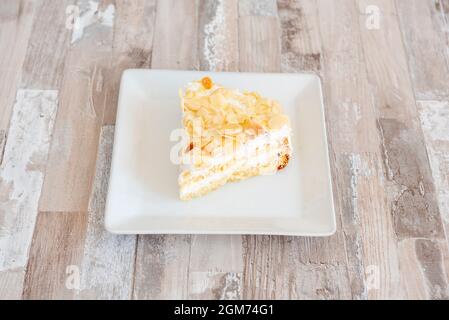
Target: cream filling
(194, 187)
(245, 152)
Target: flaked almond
(278, 121)
(218, 119)
(205, 114)
(217, 99)
(276, 107)
(233, 129)
(192, 106)
(232, 118)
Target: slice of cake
(232, 136)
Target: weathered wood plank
(259, 44)
(407, 171)
(107, 266)
(274, 271)
(175, 42)
(92, 13)
(162, 262)
(215, 285)
(53, 268)
(432, 256)
(362, 200)
(218, 35)
(370, 239)
(258, 8)
(21, 178)
(216, 267)
(301, 51)
(71, 164)
(412, 275)
(430, 81)
(132, 46)
(424, 268)
(414, 205)
(321, 282)
(347, 95)
(301, 45)
(47, 47)
(434, 117)
(425, 42)
(408, 180)
(441, 15)
(72, 157)
(103, 263)
(16, 20)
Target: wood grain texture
(215, 267)
(107, 265)
(218, 35)
(386, 106)
(16, 20)
(424, 266)
(429, 69)
(259, 43)
(83, 94)
(430, 82)
(132, 47)
(434, 117)
(21, 178)
(412, 196)
(301, 42)
(348, 111)
(55, 256)
(162, 263)
(175, 42)
(355, 143)
(443, 19)
(409, 179)
(258, 8)
(47, 47)
(433, 259)
(274, 270)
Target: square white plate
(143, 190)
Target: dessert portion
(231, 136)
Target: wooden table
(385, 70)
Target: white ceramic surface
(143, 190)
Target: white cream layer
(192, 188)
(246, 151)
